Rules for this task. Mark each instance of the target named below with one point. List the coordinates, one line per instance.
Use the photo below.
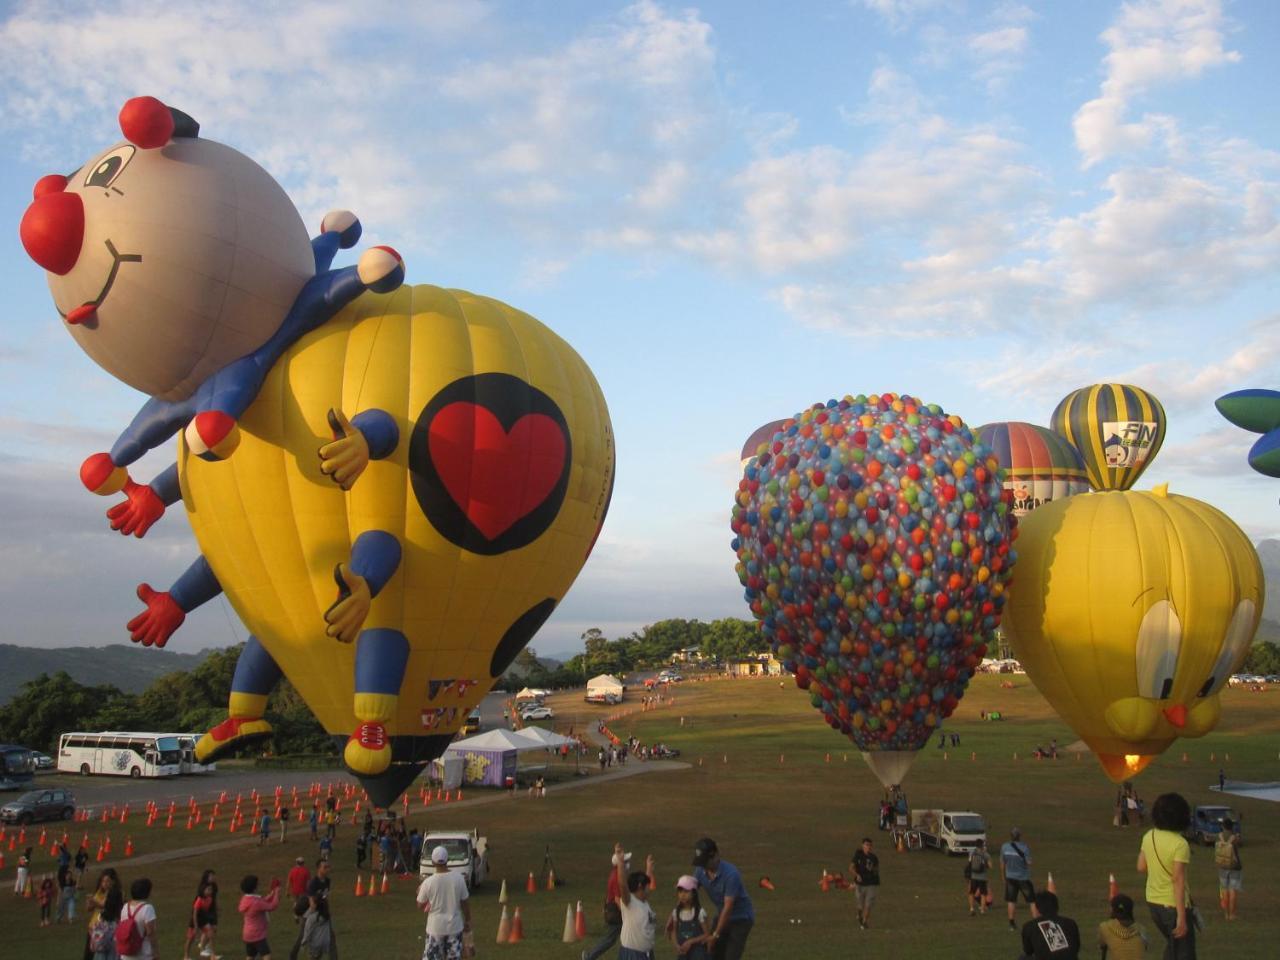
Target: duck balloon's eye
(108, 168)
(1235, 644)
(1159, 640)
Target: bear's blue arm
(380, 432)
(375, 556)
(156, 422)
(197, 585)
(167, 487)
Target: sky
(731, 210)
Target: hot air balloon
(759, 436)
(874, 546)
(1039, 465)
(1130, 611)
(394, 491)
(1257, 411)
(1117, 428)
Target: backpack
(100, 935)
(128, 934)
(1224, 852)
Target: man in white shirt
(444, 896)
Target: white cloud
(899, 13)
(999, 54)
(1222, 452)
(1152, 42)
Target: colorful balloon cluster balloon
(874, 541)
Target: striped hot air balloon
(1117, 428)
(1039, 465)
(760, 435)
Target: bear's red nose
(52, 229)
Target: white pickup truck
(952, 831)
(468, 853)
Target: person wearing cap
(1120, 938)
(638, 935)
(1048, 935)
(1015, 869)
(865, 867)
(612, 911)
(688, 927)
(723, 884)
(443, 895)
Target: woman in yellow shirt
(1164, 858)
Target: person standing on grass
(1164, 858)
(81, 862)
(443, 895)
(66, 892)
(95, 902)
(284, 823)
(264, 828)
(45, 894)
(141, 915)
(688, 927)
(299, 877)
(612, 911)
(735, 912)
(639, 931)
(979, 864)
(865, 867)
(198, 922)
(318, 900)
(1226, 856)
(1049, 935)
(314, 821)
(257, 910)
(1120, 938)
(1015, 870)
(24, 873)
(102, 933)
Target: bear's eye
(1159, 639)
(106, 170)
(1234, 646)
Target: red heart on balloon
(496, 476)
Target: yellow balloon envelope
(496, 490)
(1130, 611)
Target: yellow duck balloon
(1130, 611)
(393, 485)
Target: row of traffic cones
(373, 890)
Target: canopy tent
(491, 758)
(604, 684)
(530, 693)
(546, 738)
(498, 739)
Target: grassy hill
(130, 668)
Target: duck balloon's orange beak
(1177, 715)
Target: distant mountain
(1269, 554)
(130, 668)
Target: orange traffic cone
(1113, 888)
(373, 889)
(43, 838)
(517, 928)
(551, 879)
(825, 885)
(530, 886)
(359, 885)
(1050, 885)
(902, 848)
(504, 926)
(27, 891)
(570, 934)
(1, 859)
(101, 854)
(580, 923)
(386, 886)
(128, 846)
(766, 883)
(502, 894)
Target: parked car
(43, 761)
(8, 783)
(1206, 823)
(468, 854)
(39, 805)
(538, 713)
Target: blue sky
(731, 210)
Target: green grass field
(767, 792)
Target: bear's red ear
(146, 122)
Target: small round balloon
(1117, 428)
(874, 543)
(1039, 465)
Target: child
(314, 821)
(688, 923)
(24, 873)
(326, 847)
(198, 925)
(284, 823)
(66, 893)
(256, 910)
(45, 896)
(637, 938)
(264, 828)
(362, 849)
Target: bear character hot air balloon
(1039, 465)
(1117, 428)
(1130, 611)
(1257, 411)
(393, 491)
(874, 545)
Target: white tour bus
(120, 754)
(187, 744)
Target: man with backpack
(136, 931)
(1015, 869)
(976, 872)
(1226, 857)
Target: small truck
(468, 854)
(952, 831)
